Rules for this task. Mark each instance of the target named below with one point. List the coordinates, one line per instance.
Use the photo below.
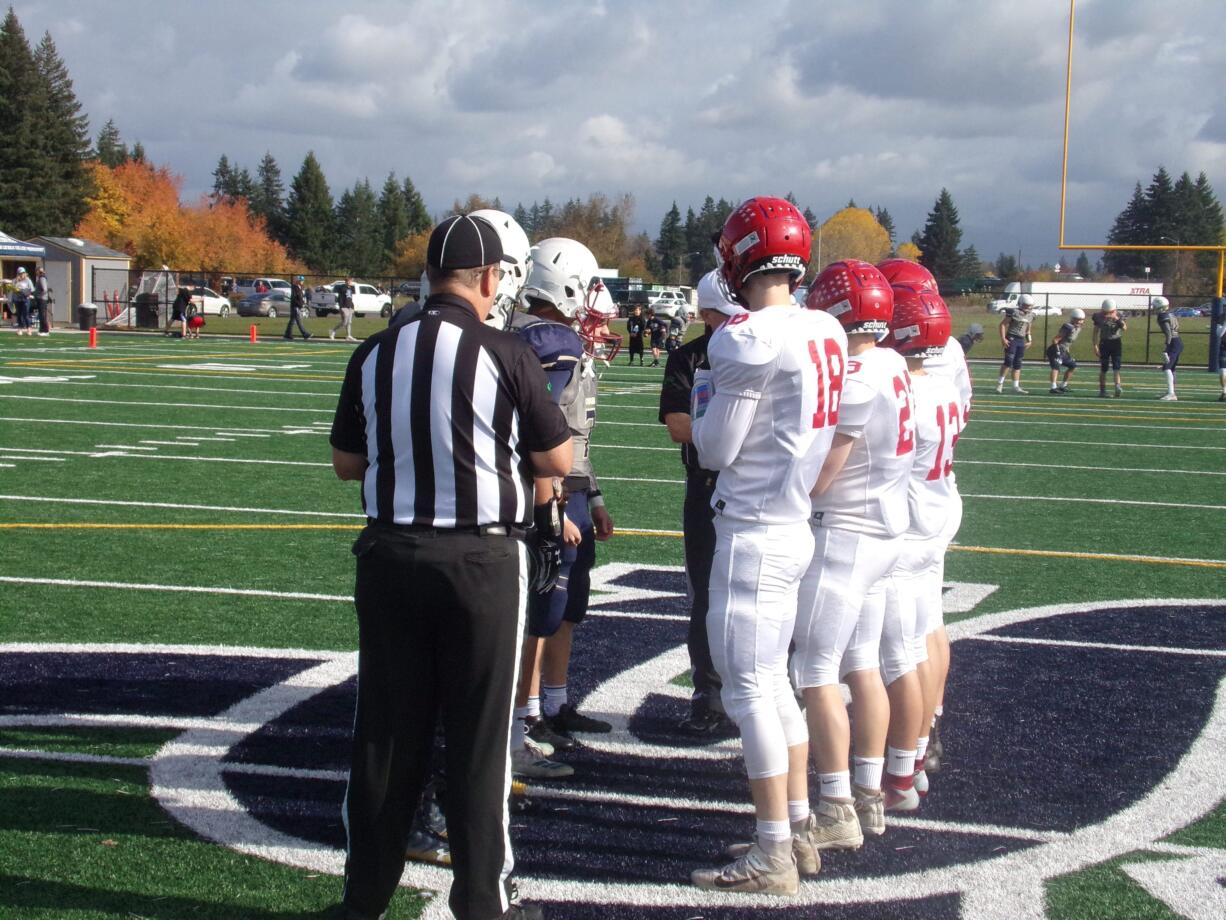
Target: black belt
(474, 530)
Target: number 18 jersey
(870, 493)
(776, 378)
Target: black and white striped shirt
(446, 409)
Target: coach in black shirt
(446, 423)
(686, 369)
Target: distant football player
(859, 516)
(919, 331)
(1109, 329)
(1058, 355)
(560, 286)
(766, 428)
(1172, 346)
(1015, 339)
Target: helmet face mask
(563, 274)
(593, 324)
(763, 235)
(855, 293)
(920, 325)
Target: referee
(685, 369)
(446, 423)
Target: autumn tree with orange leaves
(136, 209)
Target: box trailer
(1052, 297)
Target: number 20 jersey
(790, 364)
(870, 493)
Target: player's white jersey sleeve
(951, 364)
(776, 376)
(870, 493)
(932, 491)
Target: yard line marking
(43, 500)
(163, 405)
(9, 466)
(66, 757)
(1098, 501)
(974, 419)
(122, 447)
(1073, 554)
(1106, 646)
(7, 454)
(197, 438)
(98, 525)
(1050, 442)
(183, 589)
(1136, 418)
(212, 389)
(178, 372)
(73, 421)
(173, 443)
(119, 720)
(244, 434)
(1102, 469)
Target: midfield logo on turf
(1065, 744)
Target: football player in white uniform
(919, 330)
(765, 424)
(859, 516)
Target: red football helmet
(593, 323)
(763, 235)
(921, 324)
(912, 274)
(856, 294)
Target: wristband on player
(594, 500)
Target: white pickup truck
(368, 300)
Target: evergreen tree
(887, 223)
(393, 217)
(110, 148)
(810, 218)
(1006, 267)
(1128, 229)
(223, 180)
(24, 160)
(267, 199)
(138, 152)
(309, 216)
(940, 241)
(415, 208)
(545, 220)
(695, 246)
(522, 218)
(243, 185)
(1083, 266)
(66, 136)
(670, 244)
(789, 197)
(359, 231)
(972, 265)
(851, 203)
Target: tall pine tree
(309, 216)
(24, 161)
(223, 180)
(941, 239)
(65, 133)
(415, 207)
(670, 244)
(268, 197)
(110, 148)
(887, 223)
(393, 217)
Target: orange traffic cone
(93, 337)
(255, 333)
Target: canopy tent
(16, 249)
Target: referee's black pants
(440, 621)
(698, 528)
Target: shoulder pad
(738, 342)
(551, 341)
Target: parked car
(210, 303)
(1186, 312)
(271, 304)
(247, 286)
(368, 300)
(666, 303)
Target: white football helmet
(1077, 313)
(1160, 303)
(562, 273)
(713, 294)
(1109, 305)
(516, 254)
(1025, 301)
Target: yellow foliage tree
(410, 258)
(909, 251)
(852, 233)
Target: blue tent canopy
(16, 249)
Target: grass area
(205, 464)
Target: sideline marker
(93, 337)
(255, 335)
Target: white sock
(798, 812)
(836, 785)
(553, 699)
(1170, 382)
(533, 709)
(774, 832)
(868, 771)
(1000, 382)
(899, 763)
(1017, 384)
(921, 749)
(940, 711)
(519, 727)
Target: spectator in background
(43, 302)
(972, 337)
(344, 301)
(1109, 329)
(635, 327)
(178, 312)
(685, 371)
(297, 307)
(23, 290)
(658, 329)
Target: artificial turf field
(176, 679)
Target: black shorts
(657, 341)
(1014, 349)
(1058, 357)
(1110, 353)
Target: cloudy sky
(881, 100)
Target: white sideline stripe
(1096, 501)
(975, 420)
(196, 389)
(1105, 646)
(242, 434)
(172, 443)
(1051, 443)
(140, 648)
(197, 438)
(66, 757)
(128, 456)
(73, 421)
(44, 499)
(163, 405)
(185, 589)
(9, 455)
(960, 461)
(123, 447)
(9, 466)
(283, 377)
(123, 720)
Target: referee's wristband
(594, 500)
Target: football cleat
(1119, 391)
(426, 847)
(936, 750)
(546, 735)
(1021, 391)
(531, 762)
(703, 722)
(570, 720)
(870, 810)
(808, 860)
(999, 388)
(920, 780)
(754, 871)
(900, 799)
(1169, 397)
(836, 826)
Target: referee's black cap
(462, 241)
